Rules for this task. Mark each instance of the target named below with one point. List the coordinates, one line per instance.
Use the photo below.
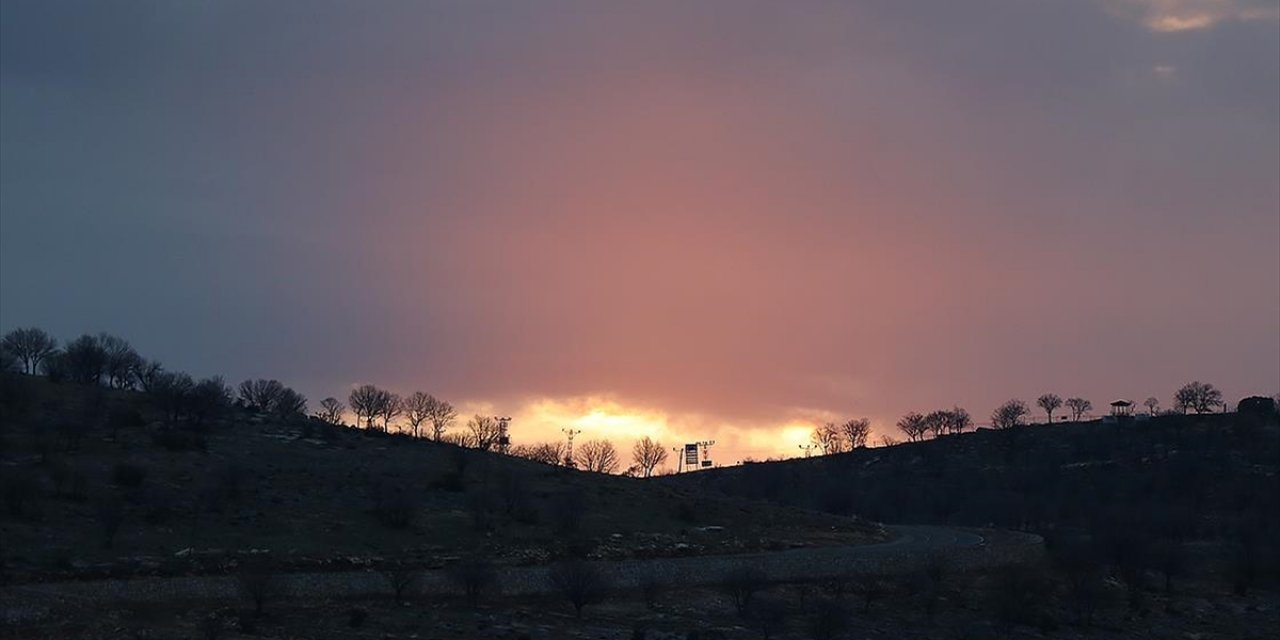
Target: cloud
(701, 220)
(1168, 16)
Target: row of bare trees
(379, 408)
(917, 425)
(107, 360)
(598, 456)
(831, 437)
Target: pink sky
(725, 220)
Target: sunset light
(798, 320)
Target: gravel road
(910, 547)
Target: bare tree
(482, 432)
(442, 416)
(331, 410)
(30, 346)
(579, 582)
(121, 361)
(598, 456)
(400, 578)
(741, 584)
(545, 452)
(1197, 396)
(208, 399)
(146, 373)
(855, 432)
(1050, 402)
(768, 615)
(366, 402)
(290, 403)
(827, 438)
(958, 420)
(1009, 414)
(936, 422)
(474, 575)
(417, 410)
(1078, 407)
(914, 425)
(84, 360)
(648, 455)
(389, 408)
(261, 395)
(1152, 404)
(8, 361)
(257, 582)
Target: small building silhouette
(1121, 411)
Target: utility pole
(808, 449)
(568, 452)
(504, 438)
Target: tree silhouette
(442, 416)
(1009, 414)
(828, 438)
(331, 410)
(914, 425)
(648, 455)
(366, 402)
(855, 432)
(545, 452)
(1078, 407)
(417, 410)
(1050, 402)
(30, 346)
(1152, 404)
(1197, 396)
(84, 360)
(483, 432)
(579, 582)
(598, 456)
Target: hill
(1188, 482)
(100, 482)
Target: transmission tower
(808, 448)
(568, 450)
(504, 437)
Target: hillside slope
(96, 483)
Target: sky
(691, 220)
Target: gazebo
(1121, 409)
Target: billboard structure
(689, 456)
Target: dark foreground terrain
(120, 522)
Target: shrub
(741, 584)
(257, 582)
(768, 615)
(579, 582)
(474, 576)
(401, 578)
(828, 620)
(395, 508)
(870, 588)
